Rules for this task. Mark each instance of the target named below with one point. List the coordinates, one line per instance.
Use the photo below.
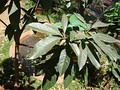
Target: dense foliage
(72, 45)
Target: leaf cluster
(68, 42)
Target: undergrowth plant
(70, 45)
(72, 41)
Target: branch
(26, 45)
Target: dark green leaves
(9, 32)
(43, 46)
(2, 5)
(63, 63)
(14, 13)
(49, 81)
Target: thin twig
(3, 22)
(26, 45)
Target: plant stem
(16, 67)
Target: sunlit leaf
(98, 24)
(105, 38)
(43, 46)
(93, 59)
(80, 17)
(86, 76)
(106, 48)
(64, 22)
(77, 35)
(99, 50)
(75, 48)
(63, 63)
(44, 28)
(115, 74)
(82, 58)
(76, 22)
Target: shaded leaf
(68, 77)
(14, 13)
(64, 22)
(49, 81)
(93, 59)
(2, 5)
(105, 38)
(98, 24)
(44, 28)
(43, 46)
(75, 48)
(46, 4)
(9, 32)
(82, 58)
(63, 63)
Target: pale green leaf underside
(93, 59)
(100, 24)
(105, 38)
(44, 28)
(64, 22)
(82, 58)
(111, 53)
(75, 48)
(63, 63)
(43, 46)
(13, 9)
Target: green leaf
(115, 74)
(86, 76)
(49, 81)
(64, 22)
(14, 13)
(44, 28)
(105, 38)
(99, 50)
(111, 53)
(76, 22)
(98, 24)
(75, 48)
(9, 32)
(107, 49)
(43, 46)
(63, 63)
(80, 18)
(68, 77)
(2, 5)
(77, 35)
(82, 58)
(93, 59)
